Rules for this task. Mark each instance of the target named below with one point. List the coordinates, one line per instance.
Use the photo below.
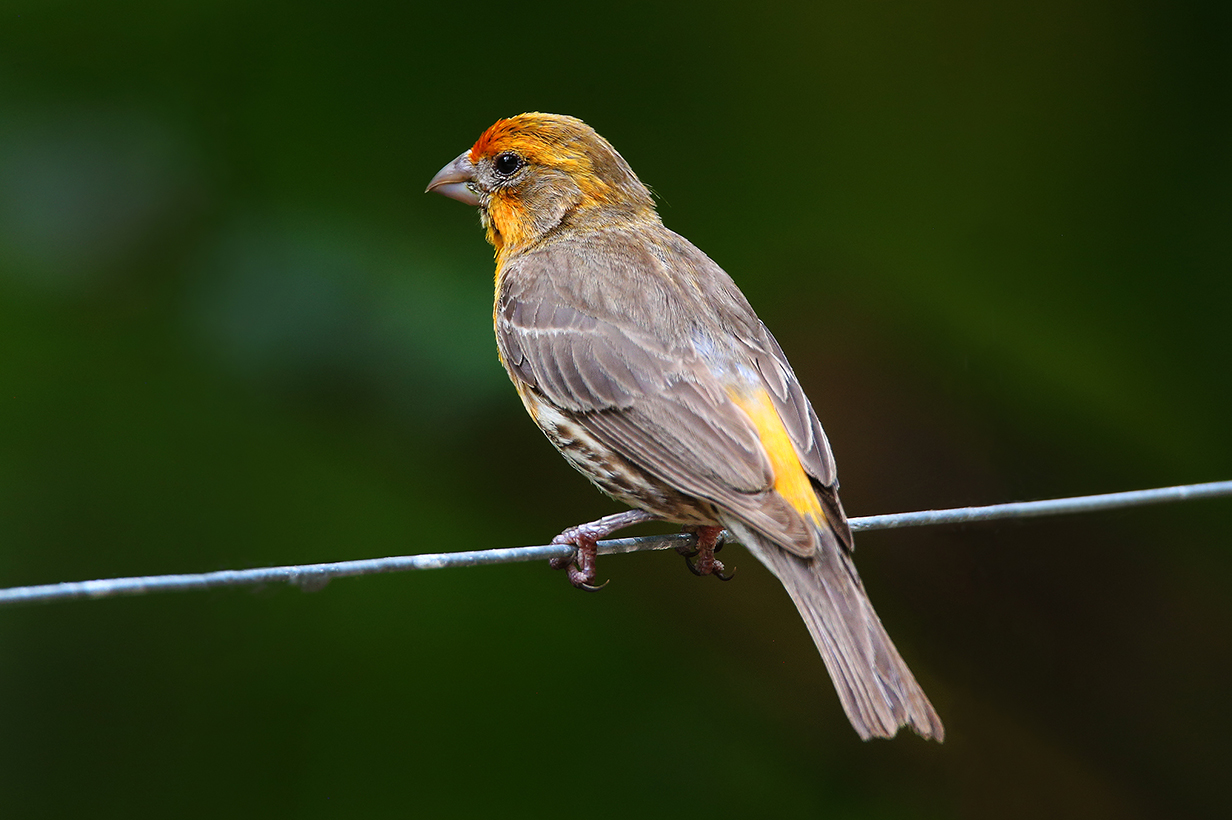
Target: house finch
(645, 366)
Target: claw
(580, 565)
(692, 565)
(709, 541)
(584, 539)
(578, 580)
(716, 569)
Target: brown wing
(803, 427)
(625, 340)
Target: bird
(646, 367)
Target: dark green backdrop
(993, 239)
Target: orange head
(534, 176)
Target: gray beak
(454, 180)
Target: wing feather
(652, 384)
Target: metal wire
(315, 576)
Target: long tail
(877, 690)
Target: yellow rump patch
(790, 480)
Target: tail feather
(876, 688)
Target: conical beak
(455, 179)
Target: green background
(993, 239)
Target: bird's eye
(507, 163)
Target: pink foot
(708, 543)
(585, 537)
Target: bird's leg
(584, 538)
(709, 541)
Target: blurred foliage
(993, 238)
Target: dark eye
(507, 163)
